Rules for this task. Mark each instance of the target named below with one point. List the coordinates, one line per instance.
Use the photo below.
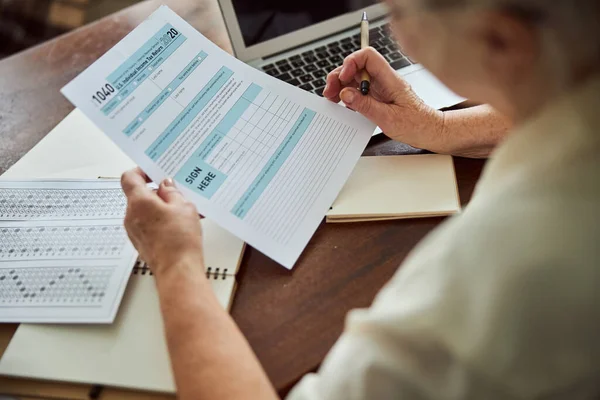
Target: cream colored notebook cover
(394, 187)
(75, 148)
(131, 352)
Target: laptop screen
(261, 20)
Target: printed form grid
(244, 143)
(290, 210)
(252, 166)
(263, 126)
(249, 132)
(31, 256)
(316, 145)
(26, 242)
(65, 203)
(66, 258)
(54, 286)
(286, 174)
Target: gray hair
(570, 29)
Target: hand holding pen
(391, 103)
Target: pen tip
(364, 16)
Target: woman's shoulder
(509, 288)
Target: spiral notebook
(132, 352)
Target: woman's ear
(510, 47)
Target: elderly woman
(501, 302)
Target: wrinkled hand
(162, 225)
(391, 103)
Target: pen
(365, 82)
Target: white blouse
(502, 301)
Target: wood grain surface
(290, 318)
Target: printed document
(64, 254)
(262, 158)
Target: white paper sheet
(64, 254)
(263, 159)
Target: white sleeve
(373, 361)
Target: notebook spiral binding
(216, 273)
(141, 268)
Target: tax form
(262, 158)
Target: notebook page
(261, 158)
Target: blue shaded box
(200, 177)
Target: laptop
(300, 42)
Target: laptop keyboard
(309, 69)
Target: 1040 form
(263, 159)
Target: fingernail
(168, 182)
(347, 96)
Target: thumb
(169, 192)
(374, 110)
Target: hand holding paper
(162, 225)
(263, 159)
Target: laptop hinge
(268, 56)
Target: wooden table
(291, 319)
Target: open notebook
(131, 352)
(394, 187)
